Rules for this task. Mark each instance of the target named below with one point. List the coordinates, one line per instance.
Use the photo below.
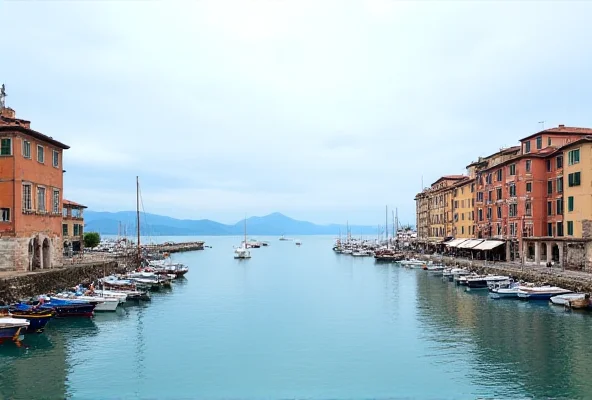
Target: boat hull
(537, 296)
(77, 310)
(477, 284)
(11, 334)
(37, 321)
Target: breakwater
(573, 280)
(26, 285)
(175, 247)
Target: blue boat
(11, 329)
(38, 318)
(68, 308)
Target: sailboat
(243, 251)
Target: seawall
(577, 281)
(26, 285)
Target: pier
(169, 247)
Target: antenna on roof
(542, 125)
(2, 97)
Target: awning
(488, 245)
(455, 242)
(469, 244)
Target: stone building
(31, 186)
(73, 226)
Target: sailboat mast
(386, 226)
(138, 214)
(245, 231)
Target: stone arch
(36, 256)
(544, 250)
(530, 251)
(46, 252)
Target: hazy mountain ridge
(112, 223)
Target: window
(65, 229)
(490, 196)
(573, 179)
(4, 214)
(55, 202)
(512, 169)
(499, 212)
(528, 162)
(480, 214)
(512, 229)
(527, 147)
(549, 187)
(26, 149)
(573, 157)
(513, 210)
(549, 208)
(40, 154)
(549, 166)
(56, 158)
(512, 190)
(559, 209)
(559, 162)
(462, 229)
(499, 229)
(559, 228)
(27, 199)
(499, 175)
(570, 228)
(528, 209)
(472, 187)
(76, 230)
(40, 198)
(549, 141)
(539, 142)
(64, 212)
(549, 229)
(489, 213)
(498, 193)
(528, 187)
(5, 147)
(570, 204)
(479, 196)
(559, 184)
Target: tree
(91, 239)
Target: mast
(386, 226)
(245, 231)
(138, 215)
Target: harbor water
(301, 322)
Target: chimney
(561, 126)
(7, 113)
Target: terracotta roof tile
(71, 203)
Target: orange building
(31, 186)
(73, 226)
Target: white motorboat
(298, 242)
(121, 296)
(242, 252)
(501, 290)
(102, 303)
(540, 292)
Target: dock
(169, 247)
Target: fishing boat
(484, 282)
(387, 255)
(12, 329)
(38, 318)
(67, 308)
(564, 299)
(413, 262)
(540, 292)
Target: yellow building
(440, 207)
(463, 202)
(422, 214)
(577, 174)
(73, 226)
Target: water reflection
(520, 347)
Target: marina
(392, 321)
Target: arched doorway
(46, 254)
(530, 253)
(544, 250)
(555, 252)
(36, 260)
(31, 254)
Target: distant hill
(158, 225)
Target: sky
(325, 111)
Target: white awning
(455, 242)
(469, 244)
(488, 245)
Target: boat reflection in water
(518, 347)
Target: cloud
(322, 109)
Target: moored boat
(12, 329)
(38, 318)
(67, 308)
(564, 299)
(540, 292)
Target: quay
(18, 285)
(577, 281)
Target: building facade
(463, 203)
(72, 227)
(534, 197)
(31, 186)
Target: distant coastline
(275, 224)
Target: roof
(71, 203)
(561, 130)
(35, 134)
(463, 182)
(450, 178)
(482, 160)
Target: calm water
(306, 323)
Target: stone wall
(15, 256)
(35, 283)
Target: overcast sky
(325, 111)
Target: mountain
(159, 225)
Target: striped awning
(488, 245)
(469, 244)
(455, 242)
